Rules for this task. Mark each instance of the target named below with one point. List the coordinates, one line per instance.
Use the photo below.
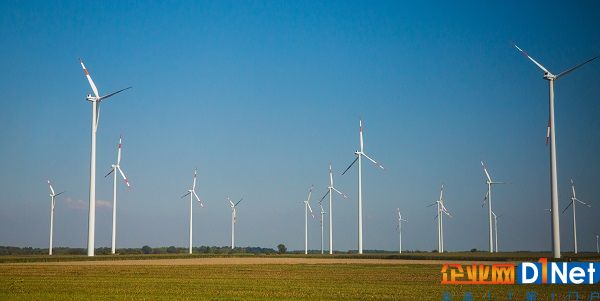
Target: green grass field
(249, 282)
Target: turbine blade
(186, 194)
(339, 192)
(89, 78)
(230, 202)
(65, 191)
(238, 202)
(51, 188)
(119, 151)
(324, 196)
(111, 171)
(590, 206)
(124, 177)
(350, 165)
(309, 208)
(194, 183)
(529, 57)
(374, 162)
(432, 204)
(309, 194)
(113, 93)
(570, 203)
(197, 198)
(486, 172)
(573, 68)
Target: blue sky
(262, 96)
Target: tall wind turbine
(597, 245)
(192, 194)
(488, 197)
(233, 220)
(116, 167)
(359, 154)
(550, 137)
(399, 227)
(306, 209)
(95, 100)
(53, 196)
(322, 213)
(573, 202)
(496, 229)
(441, 209)
(329, 192)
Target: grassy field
(248, 282)
(478, 256)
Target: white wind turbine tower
(116, 167)
(233, 219)
(573, 202)
(399, 227)
(496, 229)
(95, 100)
(597, 245)
(550, 137)
(488, 197)
(192, 194)
(329, 192)
(441, 209)
(53, 196)
(322, 213)
(359, 154)
(306, 209)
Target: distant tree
(474, 250)
(171, 250)
(281, 248)
(146, 250)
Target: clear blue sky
(261, 96)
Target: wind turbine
(233, 220)
(550, 137)
(574, 199)
(441, 209)
(597, 245)
(496, 228)
(322, 213)
(399, 227)
(53, 196)
(359, 154)
(95, 100)
(116, 167)
(329, 192)
(192, 194)
(306, 209)
(488, 197)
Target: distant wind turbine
(233, 220)
(116, 167)
(359, 154)
(306, 209)
(329, 192)
(488, 197)
(572, 203)
(322, 213)
(95, 101)
(53, 196)
(192, 194)
(550, 137)
(496, 228)
(399, 227)
(597, 245)
(441, 210)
